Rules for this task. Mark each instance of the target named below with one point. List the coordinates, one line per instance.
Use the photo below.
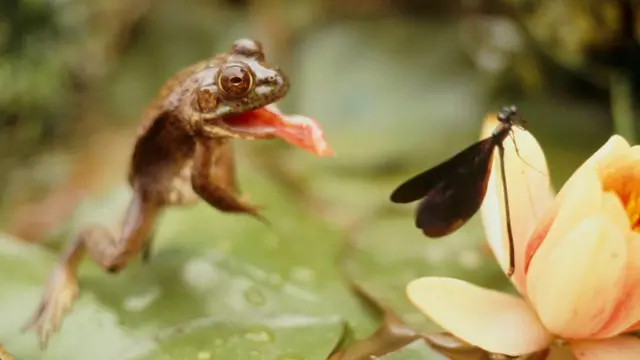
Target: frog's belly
(179, 190)
(167, 185)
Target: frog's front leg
(224, 166)
(111, 253)
(213, 178)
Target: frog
(183, 154)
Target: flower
(577, 259)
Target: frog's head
(235, 99)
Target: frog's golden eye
(235, 80)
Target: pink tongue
(298, 130)
(301, 131)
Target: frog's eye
(235, 80)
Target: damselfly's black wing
(451, 192)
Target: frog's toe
(253, 209)
(61, 292)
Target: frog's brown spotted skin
(182, 154)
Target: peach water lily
(577, 259)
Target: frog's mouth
(298, 130)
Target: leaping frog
(183, 153)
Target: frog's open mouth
(298, 130)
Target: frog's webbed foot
(220, 190)
(109, 252)
(58, 298)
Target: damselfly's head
(508, 115)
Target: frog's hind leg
(111, 253)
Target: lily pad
(242, 290)
(281, 337)
(405, 254)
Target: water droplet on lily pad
(199, 274)
(140, 302)
(203, 355)
(254, 296)
(259, 335)
(303, 274)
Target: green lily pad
(281, 337)
(241, 289)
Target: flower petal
(489, 319)
(618, 348)
(622, 176)
(614, 147)
(627, 311)
(577, 186)
(574, 284)
(613, 209)
(530, 194)
(579, 198)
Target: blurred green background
(397, 86)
